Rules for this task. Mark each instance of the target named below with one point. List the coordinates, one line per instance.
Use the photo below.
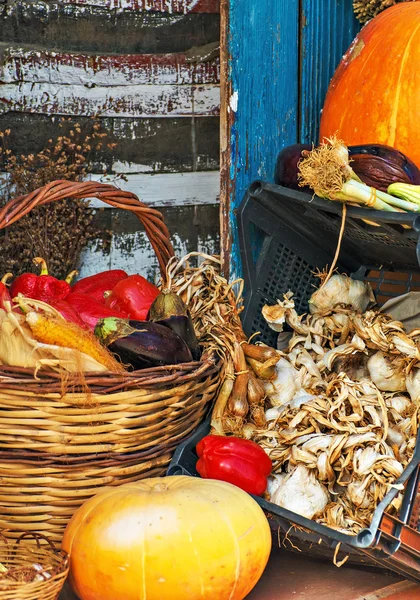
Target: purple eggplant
(170, 310)
(142, 344)
(286, 173)
(379, 166)
(376, 165)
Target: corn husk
(18, 347)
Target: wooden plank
(327, 30)
(97, 29)
(175, 189)
(152, 145)
(261, 100)
(38, 66)
(171, 6)
(193, 228)
(141, 101)
(163, 190)
(403, 590)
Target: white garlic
(357, 493)
(301, 493)
(274, 482)
(387, 373)
(340, 290)
(285, 385)
(413, 385)
(400, 404)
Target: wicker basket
(58, 446)
(19, 558)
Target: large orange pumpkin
(173, 538)
(374, 96)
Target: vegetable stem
(408, 192)
(361, 193)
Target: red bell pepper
(41, 287)
(235, 460)
(68, 312)
(97, 285)
(4, 292)
(90, 310)
(134, 296)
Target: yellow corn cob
(49, 329)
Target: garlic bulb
(285, 385)
(364, 460)
(387, 373)
(413, 385)
(340, 290)
(400, 404)
(273, 413)
(274, 482)
(276, 315)
(301, 493)
(301, 397)
(395, 437)
(357, 493)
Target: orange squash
(168, 538)
(374, 96)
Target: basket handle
(152, 219)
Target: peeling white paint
(233, 102)
(133, 253)
(125, 168)
(172, 189)
(140, 101)
(168, 189)
(91, 70)
(180, 6)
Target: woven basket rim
(18, 376)
(24, 552)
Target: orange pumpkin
(374, 96)
(168, 538)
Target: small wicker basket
(23, 560)
(58, 446)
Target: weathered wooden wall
(150, 70)
(279, 58)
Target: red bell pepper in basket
(134, 296)
(235, 460)
(41, 287)
(97, 285)
(68, 312)
(90, 310)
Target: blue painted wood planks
(327, 30)
(282, 54)
(264, 69)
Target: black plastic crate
(285, 236)
(390, 543)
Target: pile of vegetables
(374, 176)
(337, 412)
(110, 321)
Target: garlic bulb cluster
(301, 493)
(342, 406)
(341, 291)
